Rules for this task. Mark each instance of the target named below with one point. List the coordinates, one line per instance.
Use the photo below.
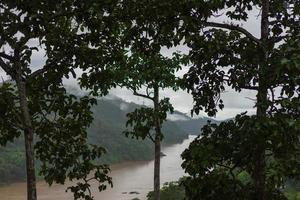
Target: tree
(148, 28)
(153, 73)
(226, 54)
(150, 72)
(35, 104)
(139, 65)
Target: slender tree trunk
(260, 163)
(157, 146)
(28, 135)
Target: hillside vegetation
(107, 131)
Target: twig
(234, 28)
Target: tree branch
(250, 87)
(48, 111)
(251, 99)
(15, 124)
(139, 94)
(142, 95)
(234, 28)
(147, 91)
(50, 66)
(5, 56)
(7, 69)
(38, 72)
(42, 70)
(151, 138)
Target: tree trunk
(28, 136)
(157, 146)
(260, 163)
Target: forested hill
(109, 124)
(106, 130)
(193, 126)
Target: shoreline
(129, 176)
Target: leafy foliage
(60, 122)
(9, 123)
(105, 131)
(217, 166)
(143, 119)
(226, 55)
(170, 191)
(69, 34)
(292, 191)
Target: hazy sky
(234, 102)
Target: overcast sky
(235, 103)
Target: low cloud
(177, 117)
(124, 106)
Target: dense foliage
(36, 104)
(217, 165)
(292, 190)
(143, 69)
(226, 55)
(106, 131)
(120, 43)
(170, 191)
(67, 118)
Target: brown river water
(127, 177)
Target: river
(127, 177)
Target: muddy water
(136, 177)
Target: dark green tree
(35, 104)
(148, 29)
(266, 145)
(139, 65)
(138, 72)
(151, 73)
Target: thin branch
(151, 138)
(88, 188)
(147, 91)
(5, 56)
(279, 38)
(39, 72)
(47, 112)
(142, 95)
(6, 68)
(273, 107)
(250, 87)
(218, 15)
(234, 28)
(18, 118)
(139, 94)
(250, 98)
(15, 124)
(49, 66)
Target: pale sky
(235, 103)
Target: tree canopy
(227, 55)
(119, 43)
(70, 35)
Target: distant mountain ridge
(109, 124)
(107, 131)
(191, 126)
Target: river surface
(127, 177)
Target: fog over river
(127, 177)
